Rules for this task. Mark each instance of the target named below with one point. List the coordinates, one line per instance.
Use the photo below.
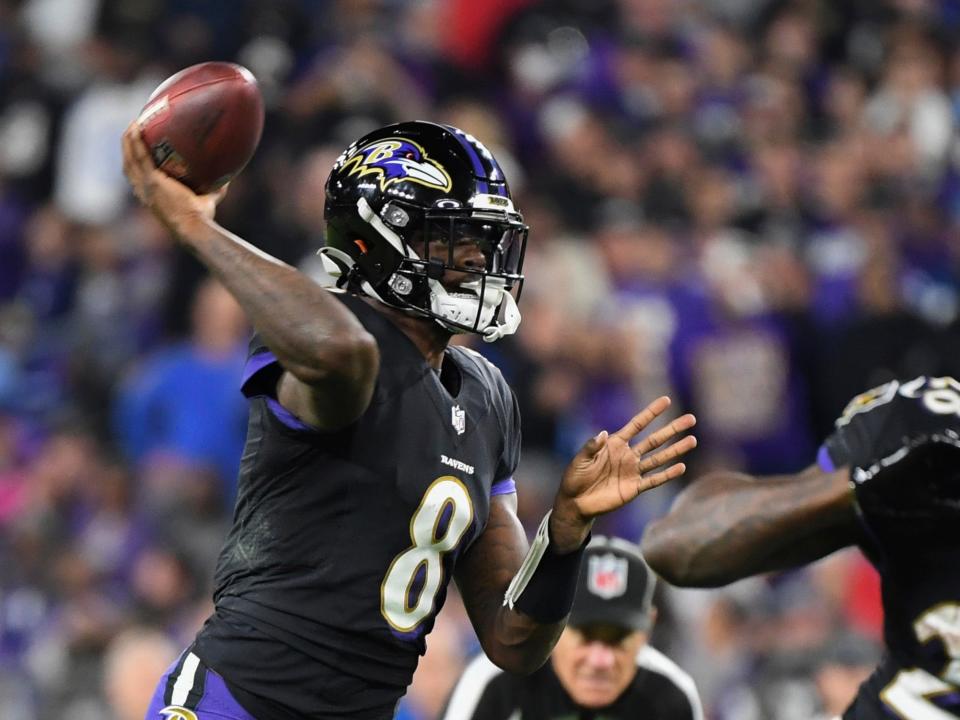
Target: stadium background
(752, 205)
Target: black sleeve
(507, 411)
(511, 446)
(262, 371)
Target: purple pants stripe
(216, 702)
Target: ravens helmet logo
(395, 160)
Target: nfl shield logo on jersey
(458, 418)
(607, 576)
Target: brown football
(203, 124)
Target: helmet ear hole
(361, 244)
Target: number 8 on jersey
(446, 502)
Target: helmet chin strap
(511, 320)
(465, 310)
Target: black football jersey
(343, 542)
(902, 442)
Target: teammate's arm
(331, 361)
(726, 526)
(606, 474)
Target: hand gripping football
(203, 124)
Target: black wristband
(548, 595)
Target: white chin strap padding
(464, 309)
(458, 309)
(511, 320)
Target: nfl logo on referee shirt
(607, 576)
(458, 418)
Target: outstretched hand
(609, 472)
(172, 202)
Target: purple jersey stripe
(287, 417)
(503, 487)
(824, 460)
(254, 365)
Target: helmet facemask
(483, 244)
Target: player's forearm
(728, 526)
(519, 633)
(568, 529)
(512, 639)
(521, 644)
(310, 332)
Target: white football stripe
(184, 683)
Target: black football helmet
(400, 201)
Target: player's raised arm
(518, 598)
(727, 526)
(330, 359)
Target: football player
(888, 480)
(379, 459)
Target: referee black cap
(615, 588)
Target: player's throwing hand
(609, 472)
(173, 203)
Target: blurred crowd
(752, 205)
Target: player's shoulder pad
(878, 422)
(936, 396)
(491, 376)
(374, 322)
(355, 304)
(867, 402)
(652, 660)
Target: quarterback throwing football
(379, 460)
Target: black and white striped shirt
(659, 691)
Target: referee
(602, 667)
